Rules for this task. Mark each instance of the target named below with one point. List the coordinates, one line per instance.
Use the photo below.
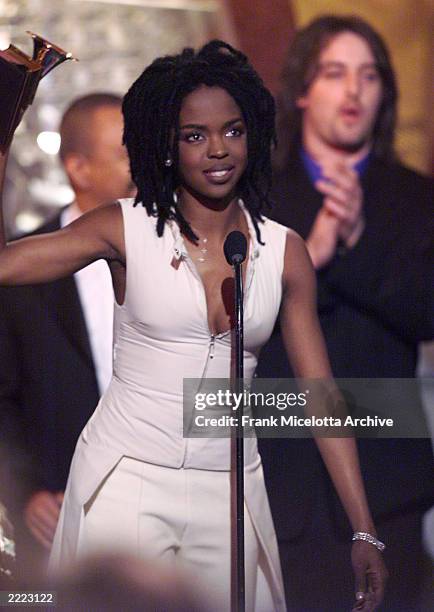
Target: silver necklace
(202, 246)
(203, 250)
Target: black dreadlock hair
(151, 110)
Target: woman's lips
(218, 175)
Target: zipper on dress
(211, 350)
(211, 346)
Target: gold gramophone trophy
(19, 79)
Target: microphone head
(235, 248)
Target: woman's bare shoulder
(295, 245)
(298, 265)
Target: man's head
(92, 152)
(340, 88)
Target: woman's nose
(216, 147)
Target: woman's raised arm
(307, 353)
(46, 257)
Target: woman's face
(212, 144)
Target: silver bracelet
(367, 537)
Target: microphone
(235, 248)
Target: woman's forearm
(341, 459)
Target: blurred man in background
(56, 338)
(368, 225)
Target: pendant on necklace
(203, 250)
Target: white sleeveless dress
(161, 336)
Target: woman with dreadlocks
(198, 129)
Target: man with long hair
(367, 221)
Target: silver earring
(168, 162)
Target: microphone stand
(239, 435)
(235, 249)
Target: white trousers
(179, 516)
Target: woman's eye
(193, 137)
(235, 132)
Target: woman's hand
(370, 576)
